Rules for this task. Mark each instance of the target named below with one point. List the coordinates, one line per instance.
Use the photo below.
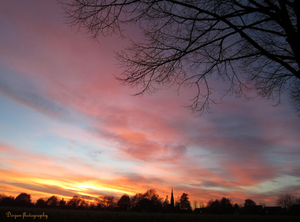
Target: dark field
(87, 215)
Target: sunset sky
(68, 127)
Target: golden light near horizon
(94, 185)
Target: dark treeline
(151, 202)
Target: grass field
(57, 215)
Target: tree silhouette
(246, 43)
(23, 199)
(236, 208)
(62, 203)
(83, 204)
(41, 202)
(124, 202)
(108, 202)
(136, 199)
(184, 202)
(76, 202)
(52, 201)
(214, 206)
(249, 202)
(287, 201)
(226, 206)
(6, 201)
(222, 206)
(148, 201)
(166, 203)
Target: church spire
(172, 199)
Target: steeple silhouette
(172, 199)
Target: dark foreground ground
(57, 215)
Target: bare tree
(247, 43)
(287, 201)
(195, 204)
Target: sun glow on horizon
(97, 186)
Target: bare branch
(246, 43)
